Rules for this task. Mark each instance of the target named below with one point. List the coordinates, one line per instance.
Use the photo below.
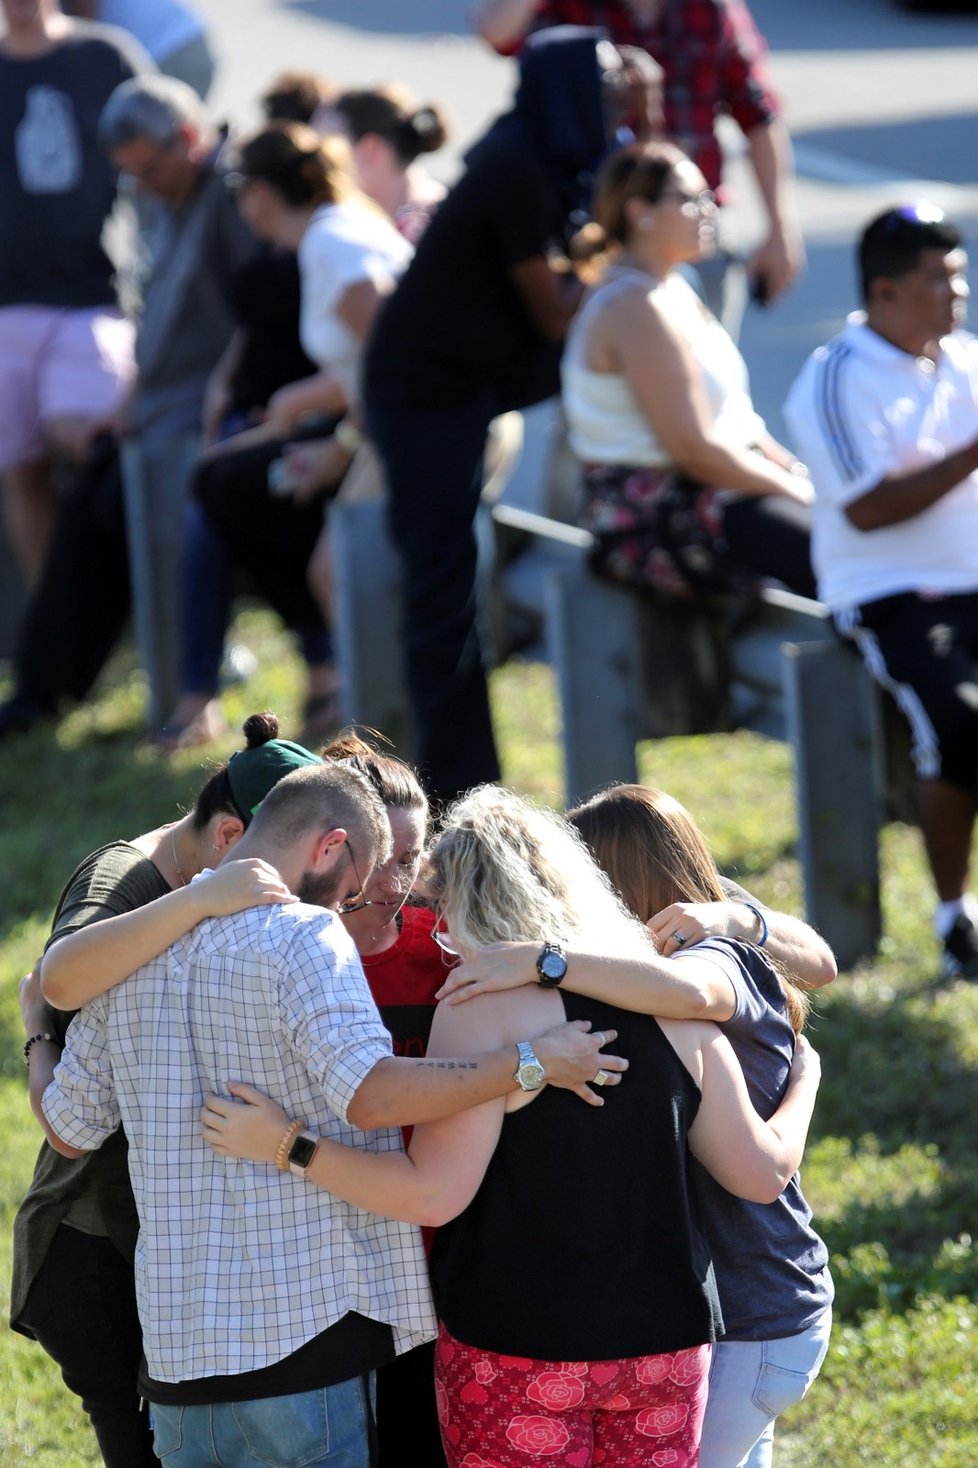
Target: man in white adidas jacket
(886, 418)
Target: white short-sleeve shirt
(343, 244)
(861, 409)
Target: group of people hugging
(632, 1281)
(623, 1264)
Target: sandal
(203, 727)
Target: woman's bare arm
(649, 349)
(689, 990)
(83, 964)
(751, 1158)
(789, 940)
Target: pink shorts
(510, 1412)
(54, 364)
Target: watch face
(553, 965)
(530, 1076)
(302, 1151)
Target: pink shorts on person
(58, 363)
(510, 1412)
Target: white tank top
(606, 425)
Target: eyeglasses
(706, 200)
(353, 904)
(444, 940)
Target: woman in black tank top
(575, 1292)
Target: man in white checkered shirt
(265, 1302)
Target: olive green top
(91, 1193)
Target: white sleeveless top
(606, 425)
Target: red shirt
(714, 60)
(404, 980)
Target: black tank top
(581, 1243)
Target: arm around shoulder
(751, 1158)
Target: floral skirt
(510, 1412)
(659, 529)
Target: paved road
(881, 103)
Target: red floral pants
(509, 1412)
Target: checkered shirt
(713, 57)
(239, 1264)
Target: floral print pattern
(501, 1411)
(658, 529)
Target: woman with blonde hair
(771, 1266)
(684, 489)
(570, 1326)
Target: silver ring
(602, 1078)
(678, 939)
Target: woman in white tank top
(684, 489)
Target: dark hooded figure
(475, 328)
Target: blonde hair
(503, 869)
(654, 853)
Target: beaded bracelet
(282, 1150)
(33, 1041)
(761, 924)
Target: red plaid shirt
(713, 57)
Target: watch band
(553, 953)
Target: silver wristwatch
(529, 1073)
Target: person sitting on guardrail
(886, 415)
(685, 491)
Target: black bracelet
(33, 1041)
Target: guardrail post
(832, 725)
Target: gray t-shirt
(771, 1266)
(191, 257)
(57, 185)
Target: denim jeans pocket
(167, 1429)
(287, 1432)
(777, 1389)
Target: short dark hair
(325, 797)
(891, 244)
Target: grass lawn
(892, 1167)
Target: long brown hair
(655, 854)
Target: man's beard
(321, 889)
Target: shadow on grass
(61, 802)
(894, 1071)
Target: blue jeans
(750, 1383)
(333, 1426)
(156, 470)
